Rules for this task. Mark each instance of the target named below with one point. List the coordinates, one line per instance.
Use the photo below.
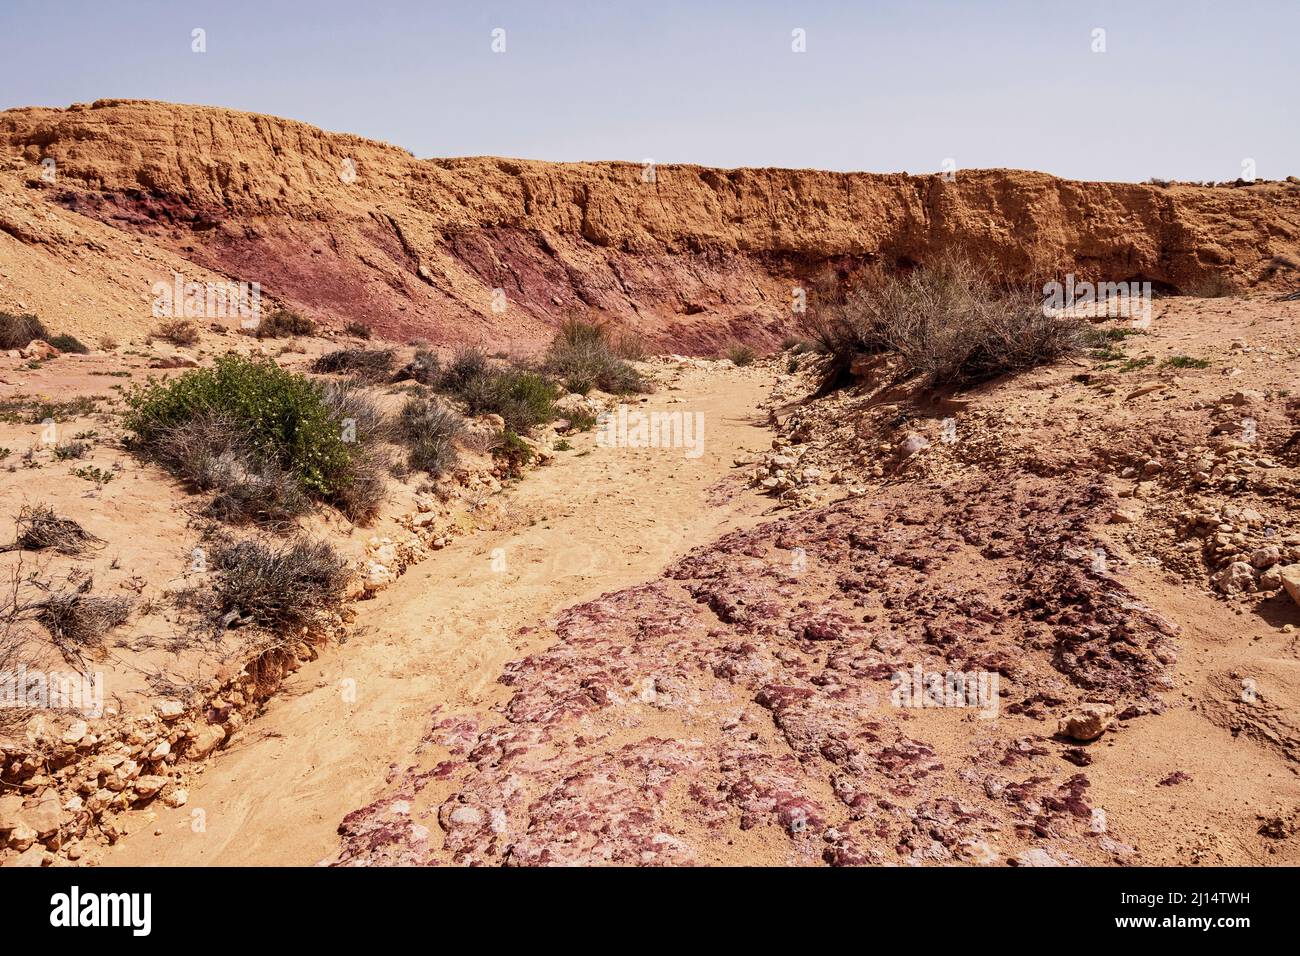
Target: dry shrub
(741, 354)
(284, 324)
(424, 369)
(369, 365)
(947, 323)
(178, 332)
(214, 454)
(584, 355)
(77, 619)
(430, 429)
(359, 329)
(40, 528)
(17, 331)
(279, 587)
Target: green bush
(69, 343)
(285, 421)
(513, 451)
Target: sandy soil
(594, 521)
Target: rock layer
(348, 228)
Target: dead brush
(77, 619)
(368, 365)
(40, 528)
(950, 326)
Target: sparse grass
(18, 330)
(281, 587)
(1185, 361)
(586, 355)
(38, 528)
(284, 324)
(945, 322)
(178, 332)
(368, 365)
(1135, 364)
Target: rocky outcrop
(345, 227)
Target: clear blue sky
(1185, 89)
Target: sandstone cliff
(348, 228)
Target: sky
(1187, 90)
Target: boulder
(1087, 722)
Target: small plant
(178, 332)
(741, 354)
(284, 324)
(18, 331)
(70, 344)
(98, 475)
(1134, 364)
(514, 452)
(1185, 361)
(359, 329)
(67, 451)
(581, 420)
(563, 445)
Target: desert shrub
(78, 619)
(38, 528)
(947, 324)
(467, 365)
(69, 450)
(281, 419)
(741, 354)
(349, 402)
(69, 343)
(17, 331)
(584, 356)
(429, 429)
(178, 332)
(283, 324)
(359, 329)
(277, 586)
(523, 399)
(214, 454)
(424, 368)
(370, 365)
(513, 451)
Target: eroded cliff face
(347, 228)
